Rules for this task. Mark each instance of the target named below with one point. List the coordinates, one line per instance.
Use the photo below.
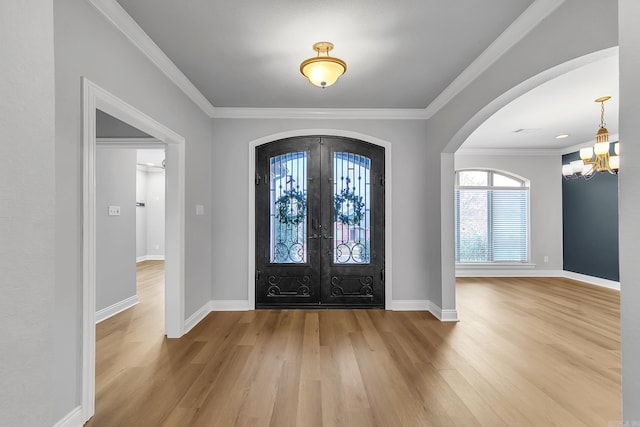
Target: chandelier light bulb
(586, 153)
(577, 166)
(601, 148)
(614, 162)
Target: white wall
(629, 202)
(155, 213)
(26, 212)
(86, 44)
(150, 225)
(545, 200)
(115, 242)
(141, 213)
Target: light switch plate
(114, 210)
(199, 210)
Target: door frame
(94, 97)
(251, 284)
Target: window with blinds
(491, 217)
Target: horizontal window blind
(492, 224)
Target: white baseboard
(72, 419)
(605, 283)
(409, 305)
(116, 308)
(230, 305)
(447, 315)
(484, 272)
(150, 258)
(243, 305)
(197, 317)
(215, 305)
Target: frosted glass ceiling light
(323, 70)
(596, 158)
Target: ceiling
(401, 54)
(564, 105)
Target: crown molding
(131, 141)
(508, 152)
(127, 26)
(528, 20)
(613, 138)
(515, 32)
(321, 113)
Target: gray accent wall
(629, 208)
(590, 224)
(26, 213)
(115, 234)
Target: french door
(319, 223)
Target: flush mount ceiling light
(597, 158)
(323, 70)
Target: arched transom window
(491, 217)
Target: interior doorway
(97, 99)
(320, 223)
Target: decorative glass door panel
(319, 223)
(288, 202)
(351, 208)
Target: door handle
(315, 236)
(328, 237)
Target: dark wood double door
(319, 223)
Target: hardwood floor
(527, 352)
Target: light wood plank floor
(527, 352)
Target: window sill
(494, 265)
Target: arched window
(492, 217)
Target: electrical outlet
(114, 210)
(546, 258)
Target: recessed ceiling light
(563, 136)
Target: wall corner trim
(72, 419)
(116, 308)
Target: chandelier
(323, 70)
(597, 158)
